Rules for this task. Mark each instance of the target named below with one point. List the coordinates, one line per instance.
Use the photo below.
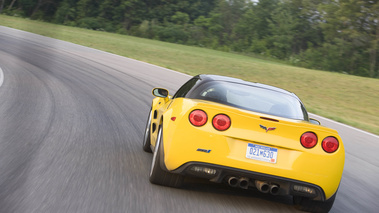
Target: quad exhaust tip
(239, 182)
(262, 186)
(233, 181)
(274, 189)
(244, 183)
(266, 188)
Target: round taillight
(330, 144)
(221, 122)
(308, 140)
(198, 117)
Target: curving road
(71, 126)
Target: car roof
(205, 78)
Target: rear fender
(158, 106)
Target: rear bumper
(312, 167)
(184, 145)
(221, 174)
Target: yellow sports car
(244, 134)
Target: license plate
(262, 153)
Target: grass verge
(348, 99)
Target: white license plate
(262, 153)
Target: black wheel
(308, 205)
(157, 174)
(146, 137)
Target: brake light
(330, 144)
(308, 140)
(221, 122)
(198, 117)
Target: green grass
(349, 99)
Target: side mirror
(314, 121)
(161, 93)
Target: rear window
(251, 98)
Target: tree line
(332, 35)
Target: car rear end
(249, 149)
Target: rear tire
(157, 174)
(308, 205)
(146, 138)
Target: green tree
(224, 18)
(245, 30)
(252, 32)
(180, 18)
(1, 5)
(66, 12)
(356, 23)
(263, 16)
(131, 12)
(88, 8)
(337, 35)
(282, 28)
(294, 25)
(11, 4)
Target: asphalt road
(71, 127)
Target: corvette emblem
(267, 129)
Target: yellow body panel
(228, 148)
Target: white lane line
(344, 125)
(1, 77)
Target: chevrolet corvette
(247, 135)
